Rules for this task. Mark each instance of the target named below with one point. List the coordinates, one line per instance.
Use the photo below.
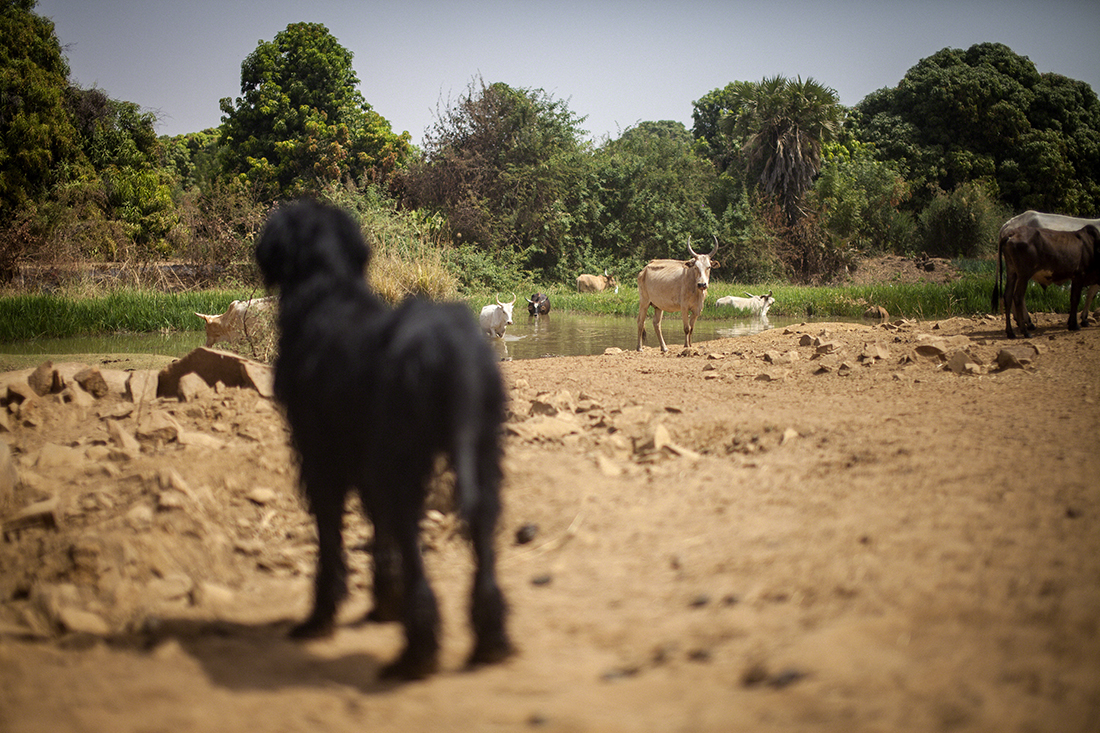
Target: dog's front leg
(330, 584)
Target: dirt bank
(833, 527)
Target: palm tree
(783, 124)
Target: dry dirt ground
(832, 527)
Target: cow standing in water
(538, 304)
(596, 283)
(674, 285)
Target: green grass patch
(30, 316)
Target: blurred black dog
(373, 395)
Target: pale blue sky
(618, 63)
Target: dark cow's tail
(994, 304)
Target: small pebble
(526, 533)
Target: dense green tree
(652, 194)
(502, 164)
(37, 139)
(301, 122)
(193, 158)
(783, 124)
(986, 114)
(859, 200)
(112, 133)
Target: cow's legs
(1087, 309)
(657, 315)
(1075, 289)
(642, 313)
(1019, 307)
(689, 326)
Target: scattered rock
(92, 381)
(141, 386)
(963, 363)
(123, 438)
(215, 366)
(80, 621)
(39, 514)
(543, 428)
(874, 352)
(158, 426)
(1016, 357)
(261, 496)
(52, 455)
(526, 533)
(192, 387)
(932, 350)
(42, 379)
(9, 477)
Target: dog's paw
(411, 666)
(490, 652)
(313, 628)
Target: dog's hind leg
(386, 588)
(478, 475)
(330, 584)
(420, 612)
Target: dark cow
(1054, 222)
(1048, 257)
(538, 304)
(674, 285)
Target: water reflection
(175, 343)
(556, 334)
(568, 334)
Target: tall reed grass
(30, 316)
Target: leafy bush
(962, 223)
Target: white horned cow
(239, 321)
(596, 283)
(495, 318)
(1057, 223)
(1046, 256)
(758, 304)
(674, 285)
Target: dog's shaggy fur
(373, 395)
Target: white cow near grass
(758, 304)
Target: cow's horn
(528, 300)
(513, 299)
(693, 252)
(498, 299)
(715, 250)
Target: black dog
(373, 395)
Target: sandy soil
(834, 527)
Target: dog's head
(309, 238)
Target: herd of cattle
(1047, 248)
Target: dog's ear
(308, 238)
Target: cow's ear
(714, 264)
(689, 263)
